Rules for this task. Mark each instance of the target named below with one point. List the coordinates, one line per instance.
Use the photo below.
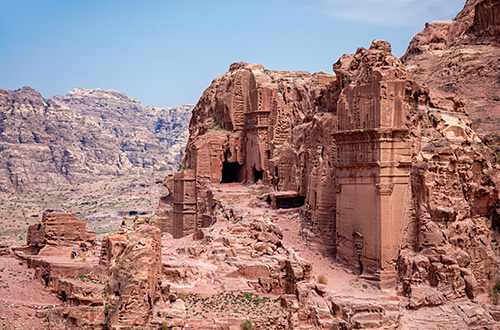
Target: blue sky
(166, 52)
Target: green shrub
(216, 126)
(247, 325)
(182, 296)
(495, 293)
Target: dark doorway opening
(257, 175)
(360, 265)
(289, 202)
(206, 220)
(231, 172)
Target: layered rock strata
(85, 134)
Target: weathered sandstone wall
(394, 181)
(56, 231)
(463, 57)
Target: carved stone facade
(372, 174)
(343, 145)
(58, 230)
(184, 211)
(244, 143)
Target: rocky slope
(463, 57)
(248, 266)
(85, 134)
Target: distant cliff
(85, 134)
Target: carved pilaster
(384, 188)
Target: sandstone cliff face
(85, 134)
(463, 57)
(240, 131)
(135, 276)
(455, 181)
(394, 181)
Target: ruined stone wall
(57, 230)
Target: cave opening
(289, 202)
(232, 172)
(257, 175)
(360, 269)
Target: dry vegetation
(102, 204)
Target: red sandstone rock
(135, 278)
(463, 57)
(57, 232)
(393, 178)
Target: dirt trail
(340, 280)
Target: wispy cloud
(388, 13)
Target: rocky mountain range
(85, 134)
